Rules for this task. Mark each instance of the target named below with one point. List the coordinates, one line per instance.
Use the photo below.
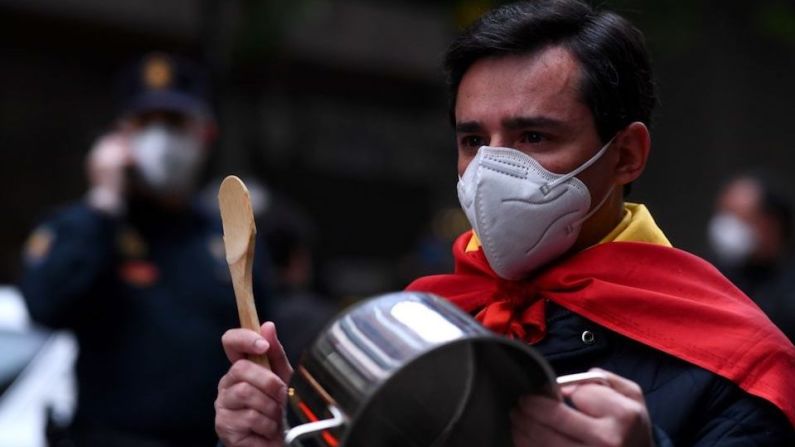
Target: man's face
(167, 150)
(531, 103)
(742, 199)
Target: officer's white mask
(732, 239)
(524, 215)
(167, 159)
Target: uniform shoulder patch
(38, 245)
(131, 245)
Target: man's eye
(473, 141)
(532, 137)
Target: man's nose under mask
(524, 215)
(167, 160)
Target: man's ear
(633, 144)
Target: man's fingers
(260, 424)
(623, 385)
(110, 152)
(556, 416)
(597, 400)
(246, 428)
(251, 397)
(621, 419)
(249, 405)
(239, 343)
(243, 395)
(258, 376)
(600, 401)
(276, 355)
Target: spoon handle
(244, 297)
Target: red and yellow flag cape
(657, 295)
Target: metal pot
(411, 369)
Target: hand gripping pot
(411, 370)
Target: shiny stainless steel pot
(410, 369)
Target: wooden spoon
(239, 232)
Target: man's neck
(601, 223)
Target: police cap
(160, 81)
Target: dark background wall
(339, 107)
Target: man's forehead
(556, 61)
(544, 83)
(741, 195)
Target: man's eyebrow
(468, 126)
(542, 122)
(513, 123)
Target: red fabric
(659, 296)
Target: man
(551, 105)
(138, 271)
(750, 234)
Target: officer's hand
(613, 415)
(106, 164)
(251, 399)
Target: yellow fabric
(474, 243)
(637, 225)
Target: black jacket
(688, 405)
(148, 298)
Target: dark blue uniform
(149, 298)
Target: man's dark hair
(616, 81)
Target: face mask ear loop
(571, 226)
(547, 187)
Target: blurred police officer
(137, 270)
(751, 238)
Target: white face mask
(731, 239)
(168, 160)
(524, 215)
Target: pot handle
(302, 430)
(590, 376)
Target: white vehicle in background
(36, 375)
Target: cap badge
(158, 72)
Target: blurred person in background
(551, 102)
(750, 236)
(137, 269)
(299, 307)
